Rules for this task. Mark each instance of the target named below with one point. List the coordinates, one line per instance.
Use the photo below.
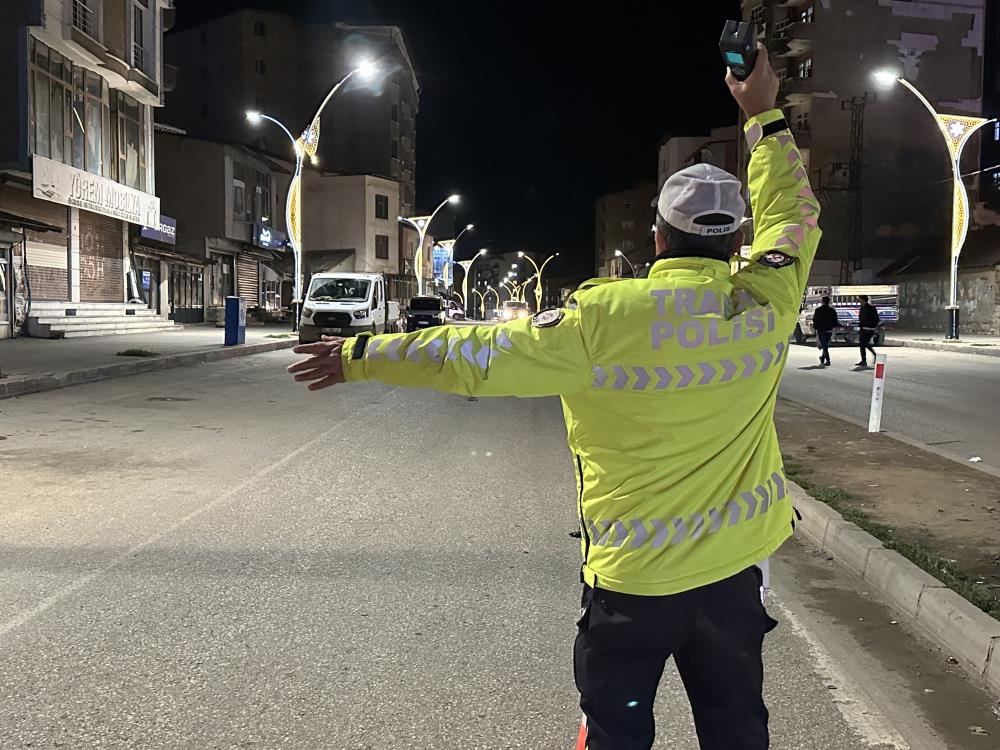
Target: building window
(802, 121)
(627, 205)
(382, 246)
(996, 131)
(70, 112)
(395, 113)
(808, 15)
(394, 149)
(239, 200)
(628, 225)
(131, 141)
(139, 9)
(996, 180)
(758, 13)
(259, 28)
(259, 67)
(628, 246)
(805, 68)
(381, 206)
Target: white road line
(26, 615)
(854, 706)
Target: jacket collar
(690, 266)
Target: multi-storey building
(720, 147)
(80, 80)
(623, 222)
(875, 157)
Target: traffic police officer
(668, 385)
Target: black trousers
(865, 339)
(823, 339)
(715, 634)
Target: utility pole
(855, 185)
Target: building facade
(875, 157)
(255, 60)
(720, 148)
(623, 221)
(80, 80)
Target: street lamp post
(305, 144)
(495, 293)
(422, 224)
(538, 273)
(620, 254)
(450, 246)
(466, 265)
(956, 130)
(482, 302)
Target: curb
(25, 386)
(938, 613)
(988, 350)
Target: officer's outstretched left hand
(325, 366)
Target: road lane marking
(26, 615)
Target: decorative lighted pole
(495, 293)
(422, 224)
(620, 254)
(305, 145)
(450, 246)
(482, 302)
(538, 274)
(957, 130)
(466, 265)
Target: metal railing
(84, 18)
(138, 56)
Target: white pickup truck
(346, 304)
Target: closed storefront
(102, 274)
(248, 280)
(46, 252)
(187, 296)
(147, 273)
(222, 278)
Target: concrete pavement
(30, 365)
(940, 401)
(215, 558)
(969, 344)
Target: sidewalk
(30, 365)
(969, 344)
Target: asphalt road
(211, 557)
(940, 400)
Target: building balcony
(796, 90)
(169, 16)
(795, 36)
(82, 32)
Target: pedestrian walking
(824, 321)
(868, 323)
(668, 385)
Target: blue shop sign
(165, 231)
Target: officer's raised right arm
(786, 216)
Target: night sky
(532, 110)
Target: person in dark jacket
(868, 322)
(824, 321)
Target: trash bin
(236, 321)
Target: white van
(346, 304)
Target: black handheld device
(739, 48)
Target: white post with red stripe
(878, 390)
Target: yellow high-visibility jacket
(668, 387)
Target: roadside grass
(137, 353)
(920, 554)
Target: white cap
(697, 191)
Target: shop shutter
(47, 282)
(248, 280)
(102, 271)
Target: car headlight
(307, 312)
(360, 314)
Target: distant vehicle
(454, 310)
(346, 304)
(426, 311)
(513, 310)
(844, 300)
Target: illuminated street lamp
(538, 272)
(305, 145)
(422, 224)
(957, 130)
(620, 254)
(449, 245)
(496, 293)
(482, 302)
(466, 265)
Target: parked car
(454, 310)
(426, 311)
(346, 304)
